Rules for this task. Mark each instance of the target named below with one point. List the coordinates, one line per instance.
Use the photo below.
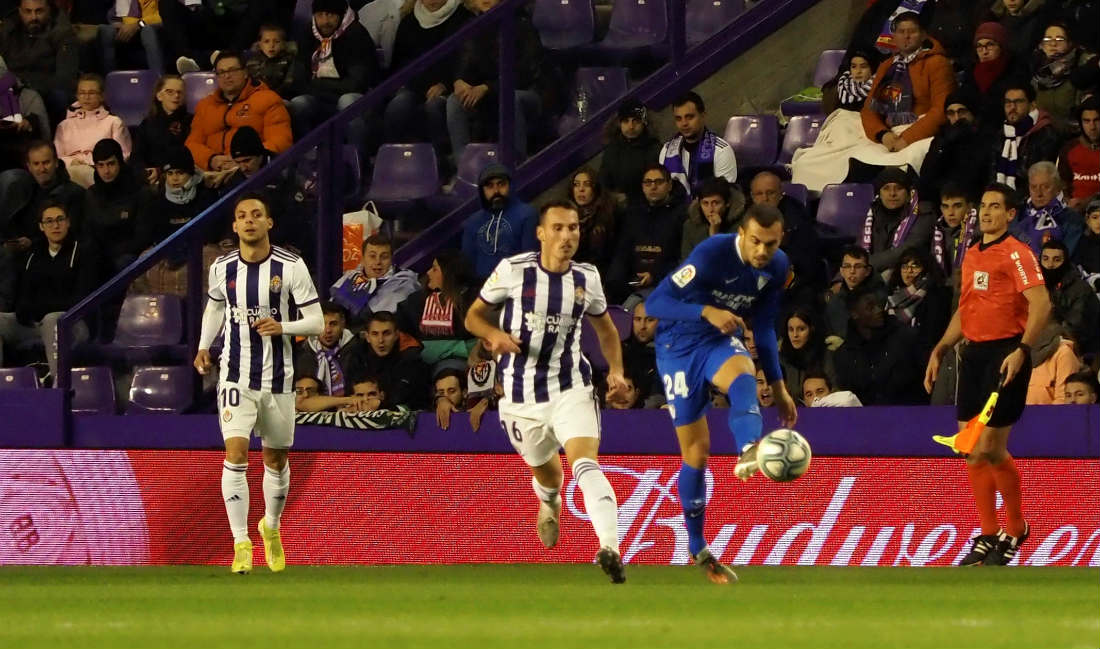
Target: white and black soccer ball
(783, 455)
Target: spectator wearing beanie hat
(1079, 161)
(180, 198)
(895, 221)
(958, 153)
(993, 68)
(629, 149)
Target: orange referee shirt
(994, 277)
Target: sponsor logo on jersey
(762, 281)
(684, 276)
(275, 284)
(252, 314)
(552, 322)
(1015, 257)
(981, 280)
(733, 301)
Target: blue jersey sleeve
(763, 321)
(682, 294)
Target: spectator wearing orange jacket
(238, 101)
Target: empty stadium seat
(828, 64)
(161, 390)
(798, 192)
(843, 209)
(93, 391)
(13, 378)
(601, 86)
(404, 172)
(623, 319)
(129, 93)
(705, 18)
(801, 132)
(149, 321)
(636, 26)
(754, 138)
(196, 86)
(564, 24)
(590, 343)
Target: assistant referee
(1003, 305)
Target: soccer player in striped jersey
(254, 293)
(701, 310)
(548, 400)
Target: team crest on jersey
(684, 276)
(578, 295)
(981, 281)
(227, 416)
(480, 372)
(276, 284)
(762, 281)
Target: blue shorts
(686, 375)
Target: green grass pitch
(524, 606)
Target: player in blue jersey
(730, 282)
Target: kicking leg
(599, 502)
(276, 486)
(235, 496)
(546, 481)
(737, 378)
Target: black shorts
(979, 372)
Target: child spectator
(88, 122)
(271, 60)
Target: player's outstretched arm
(212, 318)
(477, 323)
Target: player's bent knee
(730, 370)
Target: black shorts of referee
(979, 373)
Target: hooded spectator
(504, 226)
(853, 83)
(957, 152)
(629, 149)
(1021, 19)
(1087, 255)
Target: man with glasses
(855, 271)
(649, 240)
(1027, 136)
(238, 101)
(59, 272)
(22, 190)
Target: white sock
(276, 486)
(599, 501)
(235, 495)
(545, 494)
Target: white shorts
(538, 430)
(241, 410)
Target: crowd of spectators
(934, 101)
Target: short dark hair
(692, 97)
(657, 166)
(272, 27)
(1006, 192)
(254, 196)
(952, 189)
(816, 373)
(905, 17)
(717, 186)
(860, 292)
(368, 378)
(1019, 84)
(1086, 377)
(51, 203)
(450, 371)
(1056, 244)
(35, 145)
(228, 54)
(328, 306)
(765, 215)
(382, 316)
(855, 252)
(377, 239)
(558, 203)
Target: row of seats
(153, 390)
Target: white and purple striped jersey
(275, 287)
(544, 310)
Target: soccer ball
(783, 455)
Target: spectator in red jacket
(1079, 161)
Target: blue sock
(744, 418)
(692, 486)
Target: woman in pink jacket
(88, 122)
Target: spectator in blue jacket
(505, 226)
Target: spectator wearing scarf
(325, 357)
(436, 313)
(958, 153)
(993, 69)
(1045, 215)
(918, 298)
(955, 229)
(1027, 136)
(894, 222)
(1052, 64)
(906, 102)
(851, 93)
(696, 153)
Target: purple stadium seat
(707, 17)
(801, 132)
(754, 138)
(404, 172)
(93, 391)
(160, 390)
(302, 20)
(475, 157)
(129, 93)
(635, 24)
(601, 87)
(828, 64)
(196, 86)
(353, 179)
(149, 321)
(12, 378)
(590, 344)
(563, 24)
(843, 209)
(623, 319)
(798, 192)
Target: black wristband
(1025, 348)
(881, 134)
